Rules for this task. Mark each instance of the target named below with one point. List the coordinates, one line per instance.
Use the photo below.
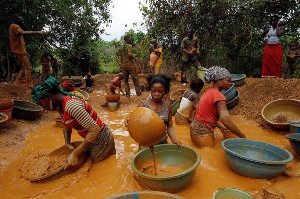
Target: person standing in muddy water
(190, 51)
(211, 109)
(78, 114)
(128, 65)
(291, 59)
(18, 49)
(189, 102)
(159, 86)
(45, 62)
(273, 51)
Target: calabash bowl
(112, 98)
(6, 104)
(182, 161)
(255, 159)
(146, 127)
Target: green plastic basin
(231, 193)
(182, 163)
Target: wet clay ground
(20, 140)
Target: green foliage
(70, 25)
(228, 29)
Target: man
(156, 57)
(18, 49)
(128, 66)
(190, 51)
(45, 62)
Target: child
(189, 103)
(291, 58)
(195, 46)
(89, 82)
(113, 86)
(159, 86)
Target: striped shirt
(78, 114)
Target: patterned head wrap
(51, 85)
(68, 85)
(216, 73)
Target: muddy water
(114, 175)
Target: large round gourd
(146, 127)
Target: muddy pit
(22, 140)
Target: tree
(70, 25)
(228, 29)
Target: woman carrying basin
(212, 108)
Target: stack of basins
(232, 96)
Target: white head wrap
(216, 73)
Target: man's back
(17, 43)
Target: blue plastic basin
(294, 127)
(294, 140)
(238, 79)
(255, 159)
(229, 93)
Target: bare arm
(226, 120)
(170, 128)
(33, 32)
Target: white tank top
(272, 36)
(186, 107)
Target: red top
(45, 63)
(207, 112)
(116, 82)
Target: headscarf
(216, 73)
(68, 85)
(51, 85)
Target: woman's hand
(72, 160)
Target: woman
(211, 108)
(273, 52)
(189, 102)
(159, 86)
(78, 114)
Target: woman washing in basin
(211, 109)
(78, 114)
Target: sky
(123, 12)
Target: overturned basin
(26, 110)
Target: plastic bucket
(7, 112)
(229, 193)
(112, 106)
